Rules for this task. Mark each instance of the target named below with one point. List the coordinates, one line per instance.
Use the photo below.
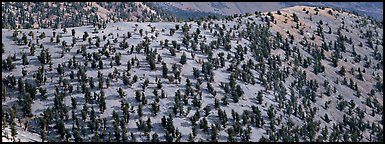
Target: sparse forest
(295, 75)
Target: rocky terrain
(297, 74)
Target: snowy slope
(183, 123)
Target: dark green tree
(25, 59)
(183, 58)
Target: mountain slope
(374, 9)
(66, 14)
(297, 74)
(228, 8)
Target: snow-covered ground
(22, 136)
(183, 123)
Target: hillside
(373, 9)
(72, 14)
(227, 8)
(297, 74)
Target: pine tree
(73, 32)
(2, 48)
(214, 133)
(196, 102)
(155, 108)
(138, 95)
(126, 80)
(124, 131)
(117, 59)
(168, 137)
(4, 119)
(245, 136)
(216, 103)
(42, 56)
(231, 134)
(60, 127)
(101, 83)
(96, 137)
(183, 58)
(335, 59)
(360, 75)
(207, 110)
(149, 124)
(358, 93)
(43, 135)
(128, 65)
(76, 136)
(24, 71)
(190, 138)
(342, 71)
(73, 103)
(24, 38)
(196, 72)
(121, 93)
(9, 64)
(144, 100)
(152, 62)
(108, 82)
(326, 118)
(172, 31)
(204, 125)
(155, 137)
(164, 70)
(25, 59)
(91, 83)
(141, 32)
(259, 97)
(235, 96)
(172, 51)
(270, 112)
(102, 103)
(295, 18)
(13, 129)
(318, 67)
(140, 110)
(258, 117)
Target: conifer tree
(183, 58)
(25, 59)
(342, 71)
